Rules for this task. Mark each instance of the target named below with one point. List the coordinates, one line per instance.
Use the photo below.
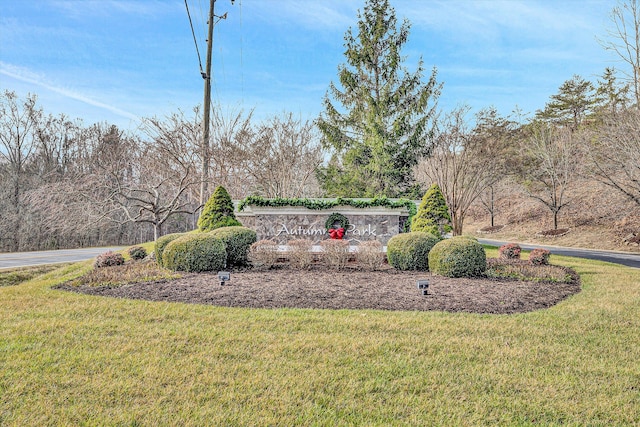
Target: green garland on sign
(330, 204)
(336, 217)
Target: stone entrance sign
(285, 223)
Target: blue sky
(119, 60)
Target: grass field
(71, 359)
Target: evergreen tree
(381, 127)
(433, 213)
(611, 96)
(574, 100)
(217, 212)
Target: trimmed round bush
(195, 253)
(410, 251)
(162, 243)
(539, 256)
(137, 252)
(238, 240)
(458, 257)
(510, 251)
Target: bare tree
(231, 132)
(57, 139)
(553, 157)
(158, 173)
(284, 155)
(458, 165)
(615, 153)
(625, 41)
(18, 120)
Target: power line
(194, 39)
(241, 55)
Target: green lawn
(70, 359)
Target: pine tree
(433, 213)
(574, 100)
(612, 97)
(217, 212)
(381, 127)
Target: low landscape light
(424, 285)
(224, 277)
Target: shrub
(217, 212)
(510, 251)
(433, 215)
(370, 254)
(137, 252)
(237, 240)
(523, 270)
(300, 255)
(263, 254)
(410, 251)
(108, 259)
(335, 253)
(458, 257)
(539, 257)
(161, 244)
(195, 252)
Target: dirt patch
(350, 289)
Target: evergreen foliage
(238, 240)
(217, 212)
(330, 204)
(611, 96)
(137, 252)
(316, 204)
(573, 102)
(195, 253)
(458, 257)
(378, 121)
(410, 251)
(162, 243)
(433, 214)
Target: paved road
(624, 258)
(25, 259)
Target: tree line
(67, 184)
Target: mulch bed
(319, 288)
(553, 233)
(490, 229)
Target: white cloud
(28, 76)
(324, 15)
(92, 8)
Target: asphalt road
(624, 258)
(25, 259)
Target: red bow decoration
(336, 233)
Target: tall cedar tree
(383, 125)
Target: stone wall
(282, 224)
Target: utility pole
(206, 75)
(204, 185)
